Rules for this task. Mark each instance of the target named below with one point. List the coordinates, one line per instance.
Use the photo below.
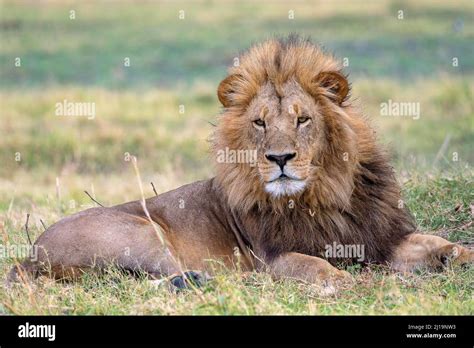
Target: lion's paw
(189, 279)
(451, 255)
(335, 282)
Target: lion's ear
(334, 84)
(226, 89)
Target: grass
(166, 51)
(375, 292)
(234, 293)
(179, 63)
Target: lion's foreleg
(420, 250)
(306, 268)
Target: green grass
(440, 204)
(166, 51)
(234, 293)
(180, 62)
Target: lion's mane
(352, 201)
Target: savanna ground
(47, 161)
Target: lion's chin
(284, 187)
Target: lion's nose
(280, 159)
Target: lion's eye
(303, 119)
(259, 123)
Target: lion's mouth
(285, 185)
(284, 177)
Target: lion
(314, 176)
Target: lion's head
(286, 109)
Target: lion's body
(321, 179)
(191, 218)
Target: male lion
(317, 178)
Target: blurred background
(152, 69)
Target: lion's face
(285, 103)
(286, 130)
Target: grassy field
(47, 161)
